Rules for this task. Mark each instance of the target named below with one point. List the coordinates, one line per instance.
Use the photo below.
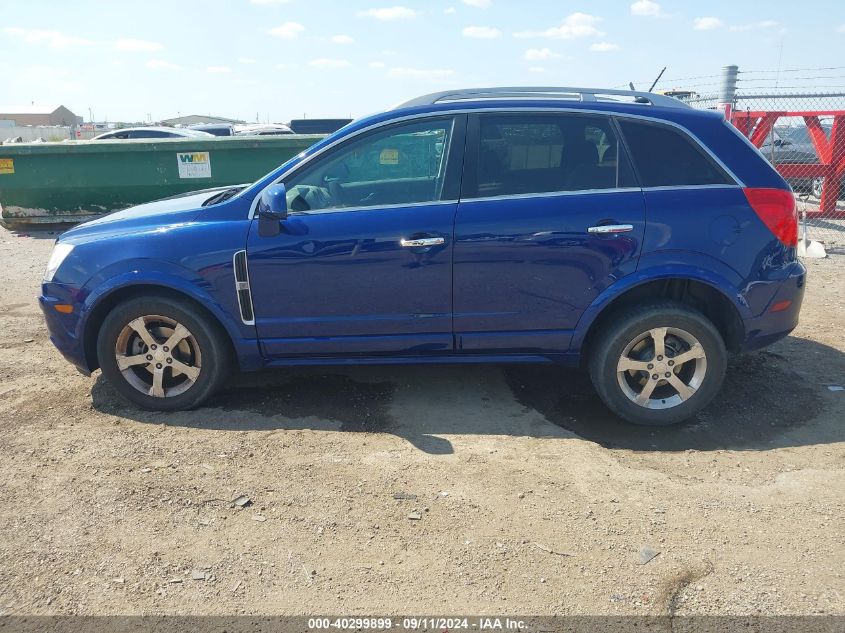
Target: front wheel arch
(108, 303)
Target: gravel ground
(419, 489)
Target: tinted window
(666, 157)
(521, 154)
(403, 164)
(152, 134)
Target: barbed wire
(791, 70)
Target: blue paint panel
(528, 264)
(329, 276)
(719, 224)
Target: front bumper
(66, 331)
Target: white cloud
(288, 30)
(421, 73)
(52, 39)
(646, 8)
(343, 39)
(707, 23)
(765, 24)
(482, 32)
(57, 39)
(536, 70)
(269, 2)
(160, 64)
(218, 70)
(575, 25)
(604, 47)
(130, 44)
(840, 28)
(377, 64)
(539, 54)
(478, 4)
(329, 64)
(387, 14)
(449, 10)
(246, 60)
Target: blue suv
(622, 231)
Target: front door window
(403, 164)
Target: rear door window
(544, 153)
(666, 157)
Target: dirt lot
(526, 495)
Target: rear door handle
(611, 228)
(422, 241)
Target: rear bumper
(777, 321)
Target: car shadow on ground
(40, 231)
(765, 403)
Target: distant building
(197, 119)
(40, 115)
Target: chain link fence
(797, 120)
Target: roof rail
(536, 92)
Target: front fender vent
(242, 288)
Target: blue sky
(282, 59)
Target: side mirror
(272, 210)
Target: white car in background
(151, 132)
(262, 129)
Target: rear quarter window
(666, 157)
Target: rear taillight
(776, 208)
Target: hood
(151, 215)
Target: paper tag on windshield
(389, 157)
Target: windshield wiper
(223, 196)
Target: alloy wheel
(158, 356)
(661, 368)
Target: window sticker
(389, 157)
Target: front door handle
(422, 241)
(604, 229)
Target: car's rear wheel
(162, 354)
(659, 364)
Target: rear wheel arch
(701, 296)
(115, 298)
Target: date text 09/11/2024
(419, 623)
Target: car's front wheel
(658, 364)
(162, 354)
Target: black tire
(625, 327)
(207, 335)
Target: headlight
(60, 252)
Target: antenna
(658, 79)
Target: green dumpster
(74, 182)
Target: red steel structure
(831, 151)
